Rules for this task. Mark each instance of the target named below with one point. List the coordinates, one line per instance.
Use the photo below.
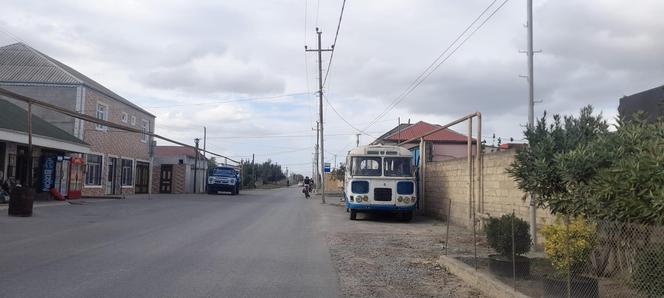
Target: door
(76, 176)
(111, 175)
(166, 179)
(142, 177)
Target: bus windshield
(366, 166)
(397, 167)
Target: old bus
(380, 178)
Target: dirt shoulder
(379, 256)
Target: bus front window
(397, 167)
(366, 166)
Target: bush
(569, 246)
(648, 276)
(499, 234)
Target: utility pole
(253, 169)
(335, 161)
(357, 140)
(320, 109)
(531, 106)
(205, 157)
(196, 140)
(316, 161)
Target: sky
(239, 68)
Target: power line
(230, 100)
(279, 136)
(431, 68)
(344, 119)
(334, 44)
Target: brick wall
(113, 142)
(448, 180)
(178, 182)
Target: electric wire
(431, 68)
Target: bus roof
(380, 150)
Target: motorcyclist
(307, 186)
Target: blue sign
(327, 167)
(48, 174)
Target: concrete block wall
(447, 181)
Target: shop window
(127, 172)
(11, 166)
(93, 170)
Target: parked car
(224, 178)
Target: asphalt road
(258, 244)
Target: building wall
(113, 142)
(178, 182)
(450, 151)
(63, 96)
(448, 180)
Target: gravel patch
(402, 263)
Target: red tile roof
(176, 151)
(420, 128)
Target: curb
(486, 283)
(49, 204)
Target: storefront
(56, 155)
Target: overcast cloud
(180, 59)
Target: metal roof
(20, 63)
(162, 151)
(15, 118)
(421, 128)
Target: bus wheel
(407, 216)
(353, 214)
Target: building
(56, 159)
(174, 168)
(442, 145)
(118, 162)
(651, 102)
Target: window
(102, 113)
(93, 170)
(146, 128)
(125, 117)
(397, 166)
(127, 172)
(133, 120)
(366, 166)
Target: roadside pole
(196, 140)
(531, 107)
(320, 110)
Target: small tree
(499, 235)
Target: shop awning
(14, 128)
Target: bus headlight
(399, 199)
(366, 198)
(413, 199)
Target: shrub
(569, 246)
(499, 235)
(648, 276)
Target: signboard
(327, 167)
(48, 175)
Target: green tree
(536, 169)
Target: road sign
(327, 167)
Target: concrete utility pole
(531, 107)
(357, 140)
(205, 157)
(320, 109)
(253, 169)
(316, 167)
(196, 140)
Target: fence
(581, 258)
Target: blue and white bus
(380, 178)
